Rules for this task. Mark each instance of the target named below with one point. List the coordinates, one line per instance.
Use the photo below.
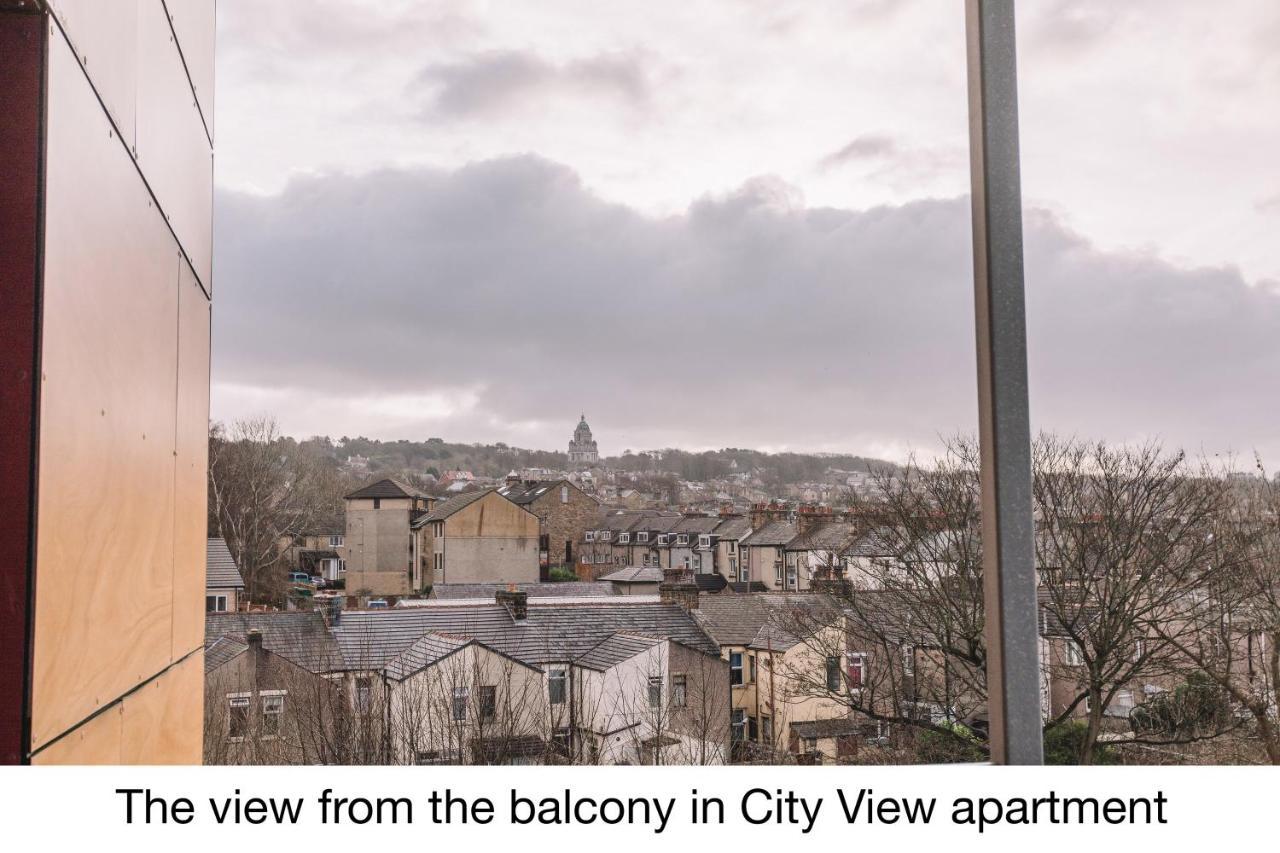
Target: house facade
(378, 547)
(477, 537)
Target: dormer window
(663, 538)
(704, 541)
(591, 536)
(606, 535)
(642, 538)
(624, 538)
(682, 539)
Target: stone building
(565, 513)
(377, 547)
(582, 448)
(477, 537)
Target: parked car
(317, 581)
(377, 604)
(300, 578)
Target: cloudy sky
(737, 223)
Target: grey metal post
(1013, 670)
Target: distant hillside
(435, 456)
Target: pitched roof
(826, 536)
(710, 581)
(541, 589)
(773, 533)
(696, 524)
(220, 567)
(554, 630)
(388, 487)
(528, 491)
(449, 507)
(616, 648)
(738, 620)
(219, 650)
(299, 636)
(635, 574)
(734, 527)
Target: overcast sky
(734, 223)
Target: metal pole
(1013, 671)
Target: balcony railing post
(1013, 670)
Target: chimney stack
(678, 587)
(516, 601)
(810, 516)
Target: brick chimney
(678, 587)
(810, 516)
(516, 601)
(257, 656)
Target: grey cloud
(749, 320)
(491, 81)
(1071, 26)
(872, 146)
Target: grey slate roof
(615, 649)
(428, 649)
(696, 524)
(219, 650)
(220, 566)
(554, 631)
(825, 536)
(869, 545)
(449, 507)
(837, 727)
(525, 493)
(635, 574)
(299, 636)
(542, 589)
(738, 620)
(773, 533)
(735, 527)
(386, 488)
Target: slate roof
(549, 589)
(615, 649)
(825, 536)
(220, 566)
(868, 545)
(773, 533)
(388, 487)
(452, 505)
(525, 493)
(710, 581)
(733, 528)
(299, 636)
(219, 650)
(554, 630)
(696, 524)
(635, 574)
(739, 620)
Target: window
(556, 686)
(642, 538)
(908, 660)
(377, 503)
(833, 674)
(1074, 654)
(606, 535)
(461, 695)
(766, 729)
(856, 666)
(591, 536)
(735, 668)
(215, 604)
(1139, 650)
(272, 710)
(624, 538)
(682, 539)
(364, 692)
(777, 571)
(738, 724)
(337, 541)
(808, 745)
(1121, 704)
(655, 691)
(238, 720)
(704, 541)
(564, 494)
(437, 528)
(663, 538)
(488, 703)
(679, 691)
(733, 547)
(751, 659)
(561, 741)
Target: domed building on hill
(582, 447)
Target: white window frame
(624, 538)
(219, 603)
(337, 540)
(643, 537)
(1073, 653)
(663, 539)
(561, 675)
(591, 536)
(272, 709)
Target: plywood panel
(96, 742)
(105, 526)
(104, 34)
(191, 493)
(193, 21)
(161, 722)
(173, 151)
